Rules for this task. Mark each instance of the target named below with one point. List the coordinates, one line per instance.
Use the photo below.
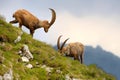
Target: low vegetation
(44, 54)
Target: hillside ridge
(47, 63)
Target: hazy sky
(91, 22)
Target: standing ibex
(75, 50)
(23, 17)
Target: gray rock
(1, 78)
(8, 75)
(29, 66)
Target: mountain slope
(104, 59)
(43, 54)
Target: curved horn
(63, 44)
(53, 17)
(58, 42)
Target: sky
(91, 22)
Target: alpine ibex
(23, 17)
(75, 50)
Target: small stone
(1, 78)
(24, 59)
(8, 75)
(29, 66)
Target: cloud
(92, 23)
(89, 30)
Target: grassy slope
(44, 54)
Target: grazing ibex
(75, 50)
(23, 17)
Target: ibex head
(62, 49)
(45, 24)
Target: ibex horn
(63, 43)
(53, 17)
(58, 42)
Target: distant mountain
(104, 59)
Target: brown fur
(75, 50)
(23, 17)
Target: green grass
(44, 54)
